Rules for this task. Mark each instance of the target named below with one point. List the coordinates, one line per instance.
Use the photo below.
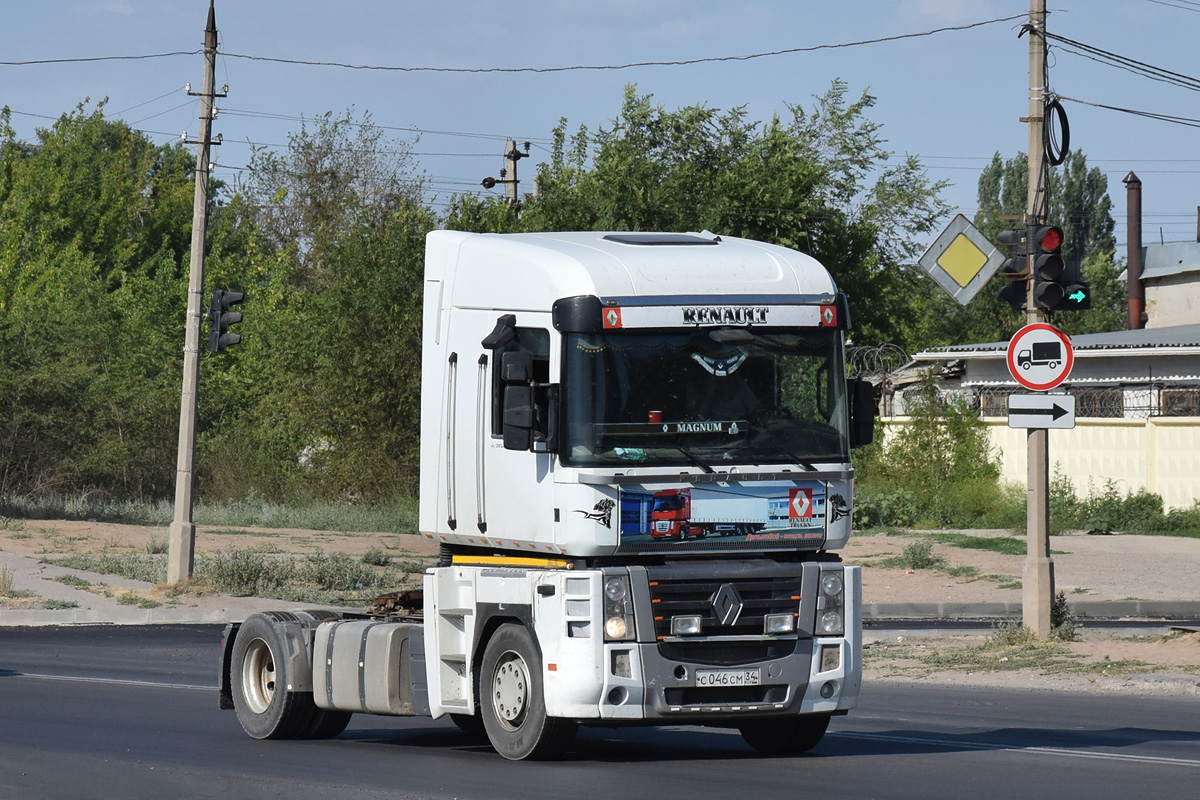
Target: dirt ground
(1089, 568)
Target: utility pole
(182, 539)
(1038, 573)
(508, 175)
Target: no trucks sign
(1040, 356)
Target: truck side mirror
(862, 412)
(519, 417)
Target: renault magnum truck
(569, 380)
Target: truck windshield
(711, 397)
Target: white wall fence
(1160, 454)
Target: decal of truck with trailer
(685, 513)
(571, 382)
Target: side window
(534, 341)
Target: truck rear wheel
(259, 679)
(785, 735)
(512, 705)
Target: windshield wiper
(796, 459)
(691, 457)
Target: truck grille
(728, 607)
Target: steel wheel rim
(510, 690)
(258, 676)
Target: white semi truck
(568, 378)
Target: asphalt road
(131, 712)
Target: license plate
(728, 677)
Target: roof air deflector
(659, 239)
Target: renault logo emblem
(727, 605)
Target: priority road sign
(961, 260)
(1041, 411)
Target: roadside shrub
(919, 555)
(375, 557)
(892, 507)
(939, 469)
(337, 571)
(1010, 634)
(244, 571)
(1063, 622)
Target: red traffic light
(1050, 239)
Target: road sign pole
(1038, 573)
(1037, 576)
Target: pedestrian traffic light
(220, 318)
(1048, 268)
(1015, 269)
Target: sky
(953, 98)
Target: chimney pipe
(1133, 262)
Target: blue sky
(953, 98)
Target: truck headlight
(831, 621)
(686, 626)
(779, 623)
(618, 613)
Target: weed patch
(1008, 545)
(72, 580)
(59, 605)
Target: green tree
(322, 396)
(93, 221)
(817, 180)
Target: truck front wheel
(259, 679)
(513, 707)
(786, 735)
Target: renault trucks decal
(772, 515)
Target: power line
(630, 65)
(481, 70)
(1191, 122)
(1188, 7)
(92, 59)
(1129, 64)
(147, 102)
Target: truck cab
(579, 390)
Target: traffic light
(1077, 293)
(1015, 269)
(1049, 290)
(220, 318)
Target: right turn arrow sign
(1041, 411)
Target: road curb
(1084, 610)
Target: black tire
(259, 671)
(512, 705)
(785, 735)
(326, 724)
(469, 723)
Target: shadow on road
(651, 744)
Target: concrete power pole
(1038, 573)
(182, 540)
(508, 175)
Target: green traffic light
(1078, 296)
